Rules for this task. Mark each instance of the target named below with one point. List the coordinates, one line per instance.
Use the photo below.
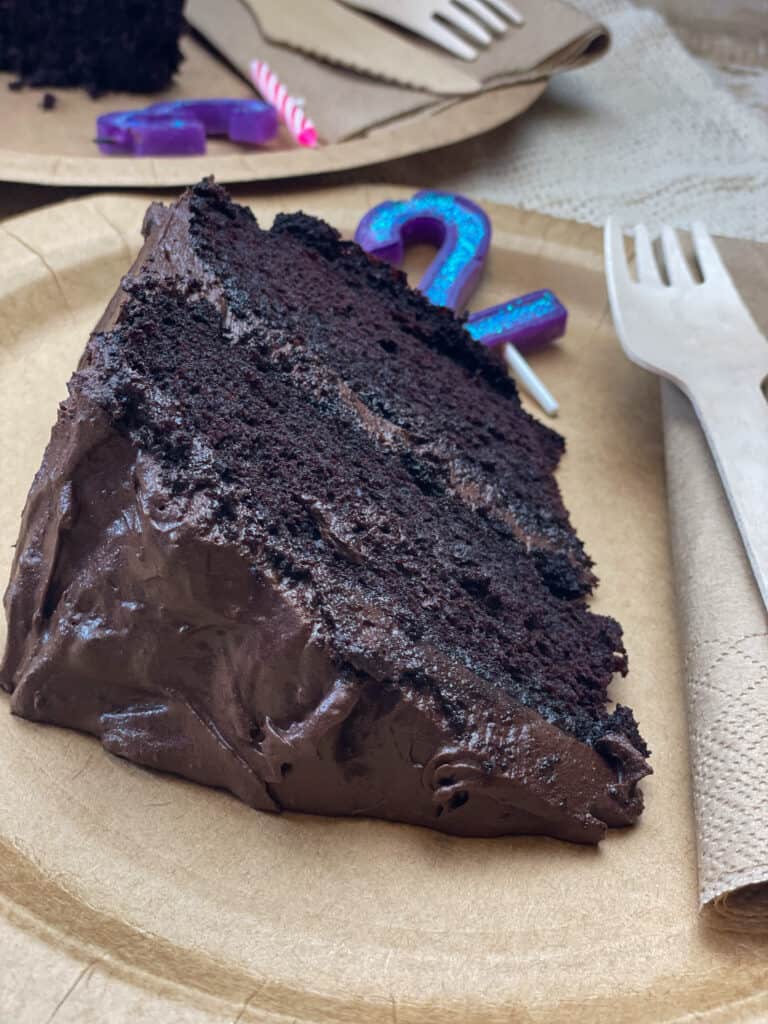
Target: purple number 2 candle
(179, 127)
(528, 322)
(456, 225)
(462, 232)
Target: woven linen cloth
(645, 133)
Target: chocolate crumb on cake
(294, 536)
(124, 46)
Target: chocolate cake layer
(294, 536)
(124, 45)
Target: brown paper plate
(132, 896)
(56, 147)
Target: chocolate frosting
(131, 618)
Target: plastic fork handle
(735, 422)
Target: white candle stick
(528, 380)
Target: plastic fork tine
(707, 256)
(485, 15)
(443, 36)
(645, 260)
(507, 10)
(678, 271)
(615, 257)
(466, 23)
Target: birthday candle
(456, 225)
(179, 127)
(462, 232)
(289, 110)
(528, 322)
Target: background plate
(131, 896)
(55, 147)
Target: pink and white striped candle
(289, 111)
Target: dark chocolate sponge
(294, 535)
(123, 45)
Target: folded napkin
(725, 649)
(344, 103)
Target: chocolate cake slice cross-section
(123, 45)
(294, 536)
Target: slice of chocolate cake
(123, 45)
(294, 536)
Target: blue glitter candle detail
(462, 234)
(456, 225)
(527, 322)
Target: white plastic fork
(447, 22)
(701, 336)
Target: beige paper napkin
(343, 103)
(725, 641)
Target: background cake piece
(124, 45)
(294, 536)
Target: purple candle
(529, 322)
(455, 224)
(179, 128)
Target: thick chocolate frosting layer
(136, 616)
